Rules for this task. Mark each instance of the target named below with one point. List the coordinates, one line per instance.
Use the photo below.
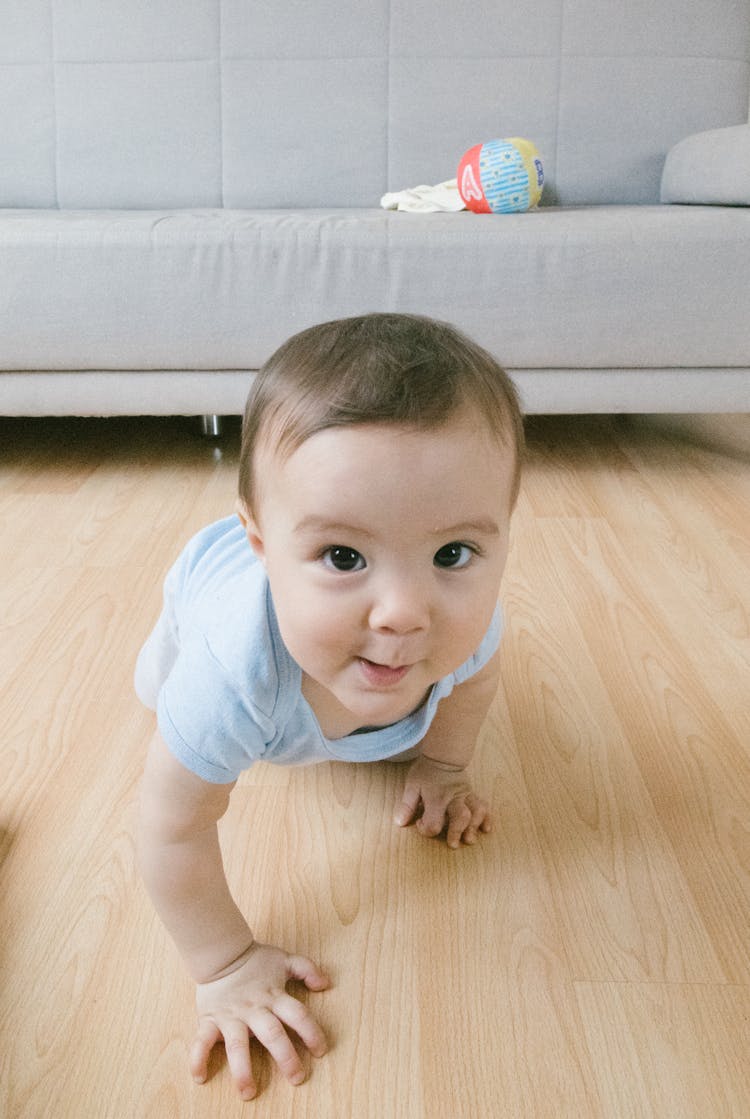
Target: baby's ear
(251, 528)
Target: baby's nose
(400, 608)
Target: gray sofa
(184, 185)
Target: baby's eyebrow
(483, 526)
(316, 523)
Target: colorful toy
(501, 177)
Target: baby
(348, 611)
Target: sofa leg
(211, 426)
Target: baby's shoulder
(218, 547)
(227, 621)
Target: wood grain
(590, 958)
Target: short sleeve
(207, 722)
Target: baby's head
(396, 370)
(379, 468)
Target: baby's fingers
(481, 817)
(459, 823)
(271, 1034)
(237, 1045)
(434, 818)
(299, 967)
(208, 1035)
(409, 806)
(292, 1012)
(481, 820)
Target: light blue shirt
(234, 695)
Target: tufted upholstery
(289, 103)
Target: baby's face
(384, 549)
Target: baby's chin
(387, 698)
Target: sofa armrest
(709, 168)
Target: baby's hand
(447, 802)
(252, 1000)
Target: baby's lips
(382, 675)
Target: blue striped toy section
(505, 180)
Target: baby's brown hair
(387, 368)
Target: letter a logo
(470, 188)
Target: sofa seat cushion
(610, 286)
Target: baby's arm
(240, 984)
(436, 783)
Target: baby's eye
(343, 559)
(454, 554)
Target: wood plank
(669, 1051)
(618, 888)
(590, 957)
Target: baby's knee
(155, 662)
(145, 684)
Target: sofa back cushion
(315, 103)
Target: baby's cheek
(459, 641)
(315, 634)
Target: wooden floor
(591, 958)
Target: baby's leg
(155, 661)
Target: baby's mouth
(382, 675)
